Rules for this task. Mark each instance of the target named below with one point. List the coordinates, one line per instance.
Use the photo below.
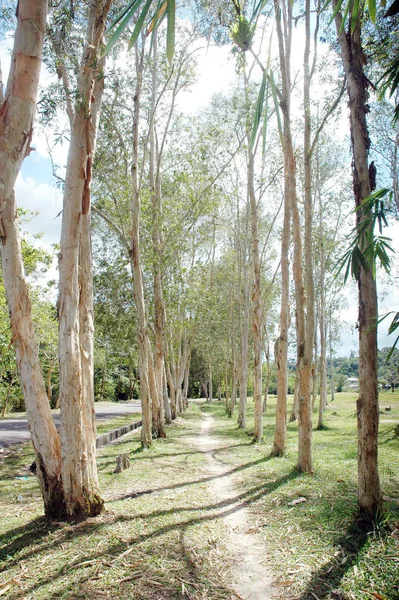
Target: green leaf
(335, 11)
(372, 10)
(354, 14)
(345, 16)
(121, 14)
(258, 110)
(158, 17)
(265, 121)
(257, 10)
(170, 32)
(114, 39)
(139, 25)
(277, 108)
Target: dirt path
(252, 578)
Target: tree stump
(122, 463)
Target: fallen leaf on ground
(297, 501)
(4, 587)
(374, 595)
(252, 530)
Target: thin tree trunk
(305, 400)
(332, 370)
(172, 390)
(49, 386)
(210, 395)
(16, 126)
(268, 372)
(6, 399)
(369, 491)
(166, 403)
(138, 288)
(281, 345)
(244, 334)
(158, 427)
(322, 318)
(186, 380)
(315, 366)
(294, 410)
(256, 295)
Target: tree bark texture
(138, 288)
(75, 303)
(17, 114)
(244, 338)
(369, 491)
(158, 426)
(281, 345)
(304, 368)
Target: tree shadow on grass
(115, 551)
(329, 577)
(102, 462)
(195, 481)
(20, 537)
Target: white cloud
(47, 201)
(215, 72)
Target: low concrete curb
(111, 436)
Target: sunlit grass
(314, 545)
(162, 536)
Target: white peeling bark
(138, 288)
(75, 303)
(17, 113)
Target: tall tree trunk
(332, 370)
(172, 390)
(304, 363)
(166, 403)
(256, 294)
(138, 288)
(268, 371)
(369, 491)
(210, 394)
(49, 386)
(305, 399)
(281, 345)
(158, 427)
(186, 380)
(315, 367)
(322, 317)
(75, 303)
(244, 296)
(16, 127)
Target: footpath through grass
(311, 538)
(162, 537)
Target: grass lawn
(161, 536)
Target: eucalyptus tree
(75, 301)
(369, 490)
(18, 109)
(332, 193)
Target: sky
(36, 188)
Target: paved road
(15, 431)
